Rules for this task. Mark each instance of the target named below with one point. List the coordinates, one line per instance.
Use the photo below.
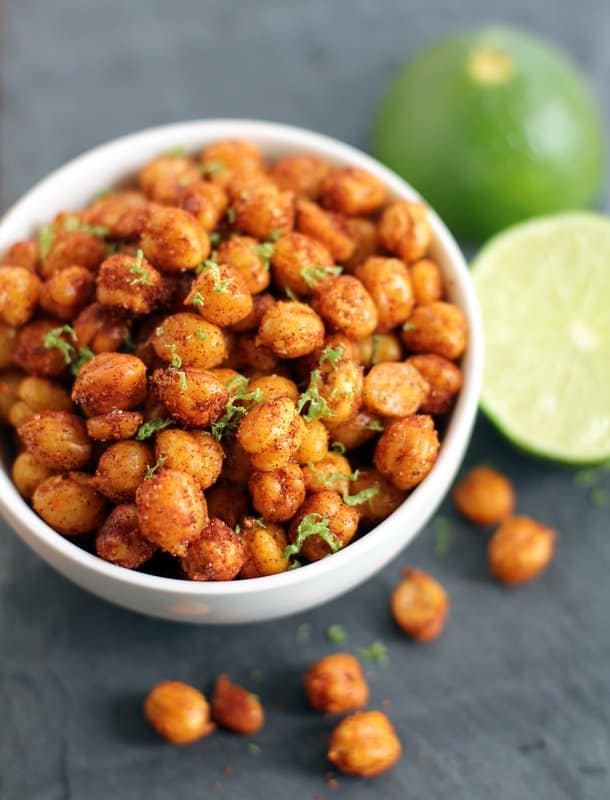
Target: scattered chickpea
(336, 684)
(236, 708)
(520, 550)
(178, 712)
(420, 605)
(484, 496)
(364, 744)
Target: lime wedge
(544, 289)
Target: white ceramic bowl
(73, 186)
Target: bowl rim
(296, 139)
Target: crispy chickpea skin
(129, 283)
(484, 496)
(302, 174)
(66, 292)
(225, 159)
(364, 744)
(194, 452)
(262, 210)
(444, 380)
(173, 240)
(342, 523)
(314, 444)
(220, 294)
(346, 306)
(271, 433)
(394, 389)
(520, 550)
(172, 510)
(69, 503)
(384, 502)
(110, 381)
(31, 354)
(195, 341)
(246, 255)
(419, 605)
(206, 201)
(119, 539)
(178, 712)
(293, 254)
(438, 328)
(193, 397)
(235, 708)
(57, 439)
(121, 469)
(114, 425)
(101, 328)
(290, 329)
(426, 281)
(352, 191)
(277, 494)
(19, 294)
(70, 248)
(329, 228)
(217, 554)
(404, 229)
(336, 684)
(265, 543)
(22, 254)
(407, 450)
(162, 178)
(388, 283)
(28, 474)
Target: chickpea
(394, 389)
(314, 444)
(261, 210)
(235, 708)
(364, 236)
(19, 414)
(206, 201)
(336, 684)
(271, 433)
(260, 304)
(220, 294)
(227, 502)
(69, 503)
(290, 329)
(194, 452)
(109, 210)
(346, 306)
(9, 384)
(121, 469)
(331, 229)
(174, 240)
(419, 605)
(65, 293)
(57, 439)
(520, 550)
(278, 493)
(407, 450)
(484, 496)
(295, 255)
(110, 381)
(172, 510)
(250, 353)
(28, 474)
(114, 425)
(101, 328)
(332, 472)
(194, 341)
(274, 386)
(356, 430)
(162, 178)
(404, 229)
(225, 159)
(130, 283)
(72, 248)
(438, 328)
(326, 507)
(246, 255)
(119, 539)
(384, 502)
(364, 744)
(340, 386)
(302, 175)
(8, 338)
(178, 712)
(22, 254)
(193, 397)
(352, 191)
(444, 381)
(388, 283)
(33, 356)
(217, 554)
(41, 394)
(378, 348)
(265, 543)
(19, 294)
(427, 281)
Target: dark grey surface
(513, 702)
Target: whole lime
(492, 127)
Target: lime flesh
(544, 290)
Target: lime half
(544, 289)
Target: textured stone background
(513, 702)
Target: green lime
(492, 127)
(544, 290)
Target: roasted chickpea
(130, 283)
(444, 380)
(314, 444)
(8, 337)
(19, 414)
(336, 516)
(290, 329)
(262, 210)
(220, 294)
(352, 191)
(223, 160)
(57, 439)
(121, 469)
(22, 254)
(178, 712)
(206, 201)
(72, 248)
(69, 503)
(436, 328)
(356, 430)
(484, 496)
(260, 304)
(271, 433)
(364, 744)
(336, 684)
(278, 493)
(520, 550)
(194, 452)
(161, 179)
(190, 339)
(301, 175)
(66, 292)
(265, 543)
(426, 281)
(332, 472)
(115, 425)
(28, 474)
(254, 356)
(31, 353)
(238, 467)
(110, 381)
(9, 384)
(193, 397)
(172, 510)
(387, 282)
(407, 450)
(346, 306)
(419, 605)
(108, 211)
(386, 499)
(404, 229)
(119, 539)
(19, 294)
(217, 554)
(364, 236)
(340, 386)
(173, 240)
(235, 708)
(394, 389)
(41, 394)
(101, 328)
(273, 386)
(378, 348)
(227, 502)
(297, 257)
(331, 229)
(248, 256)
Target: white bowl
(71, 187)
